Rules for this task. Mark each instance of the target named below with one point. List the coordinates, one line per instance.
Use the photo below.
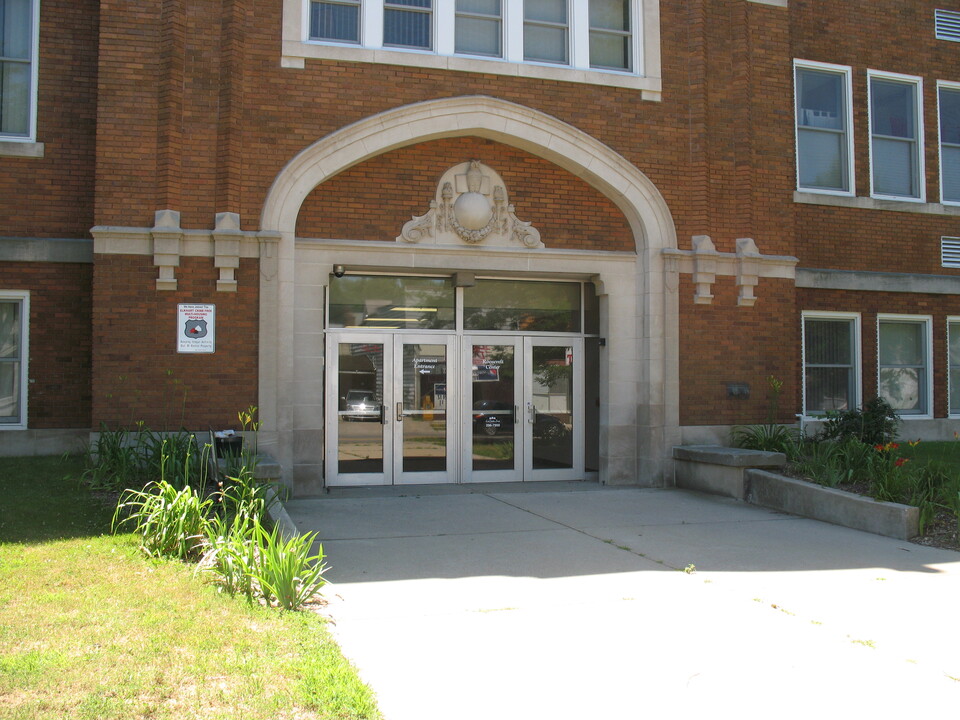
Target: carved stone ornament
(470, 206)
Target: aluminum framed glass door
(423, 438)
(523, 412)
(387, 410)
(553, 408)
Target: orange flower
(914, 443)
(901, 462)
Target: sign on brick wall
(196, 328)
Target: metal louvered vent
(950, 252)
(947, 24)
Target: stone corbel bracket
(747, 265)
(167, 247)
(226, 250)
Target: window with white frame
(18, 68)
(823, 121)
(14, 314)
(831, 343)
(896, 132)
(903, 363)
(948, 101)
(953, 363)
(478, 28)
(588, 35)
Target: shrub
(171, 523)
(287, 573)
(771, 438)
(875, 424)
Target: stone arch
(506, 122)
(639, 376)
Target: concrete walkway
(573, 602)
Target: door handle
(383, 414)
(399, 412)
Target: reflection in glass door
(490, 435)
(554, 409)
(424, 450)
(357, 434)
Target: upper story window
(479, 28)
(823, 120)
(948, 97)
(607, 42)
(18, 68)
(546, 29)
(896, 132)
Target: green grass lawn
(947, 453)
(89, 628)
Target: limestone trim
(639, 311)
(866, 281)
(58, 250)
(869, 203)
(747, 265)
(23, 149)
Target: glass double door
(410, 409)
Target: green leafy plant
(287, 573)
(769, 437)
(171, 523)
(875, 423)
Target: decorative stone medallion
(470, 206)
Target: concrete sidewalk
(573, 603)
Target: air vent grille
(950, 252)
(947, 23)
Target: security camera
(339, 271)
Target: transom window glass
(16, 67)
(12, 355)
(904, 364)
(388, 302)
(949, 101)
(408, 23)
(479, 27)
(829, 364)
(894, 138)
(610, 36)
(338, 20)
(522, 306)
(823, 129)
(546, 31)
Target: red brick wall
(722, 343)
(138, 374)
(373, 200)
(58, 395)
(52, 196)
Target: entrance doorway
(407, 408)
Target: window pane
(820, 99)
(954, 332)
(902, 388)
(334, 21)
(951, 173)
(554, 11)
(828, 388)
(609, 51)
(954, 391)
(9, 392)
(950, 116)
(894, 168)
(546, 44)
(478, 36)
(528, 306)
(828, 342)
(822, 159)
(481, 7)
(901, 343)
(407, 28)
(9, 329)
(15, 98)
(610, 14)
(893, 108)
(373, 301)
(15, 29)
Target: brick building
(468, 240)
